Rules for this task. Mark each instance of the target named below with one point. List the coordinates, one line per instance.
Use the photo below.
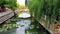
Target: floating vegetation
(11, 23)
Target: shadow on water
(27, 26)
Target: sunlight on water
(24, 15)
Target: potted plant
(3, 9)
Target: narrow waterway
(27, 26)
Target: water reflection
(20, 30)
(24, 24)
(27, 27)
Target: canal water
(27, 26)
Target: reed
(50, 8)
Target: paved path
(6, 15)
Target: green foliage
(9, 3)
(50, 8)
(36, 7)
(11, 23)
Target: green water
(27, 26)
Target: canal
(27, 26)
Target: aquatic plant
(49, 8)
(10, 24)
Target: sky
(21, 2)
